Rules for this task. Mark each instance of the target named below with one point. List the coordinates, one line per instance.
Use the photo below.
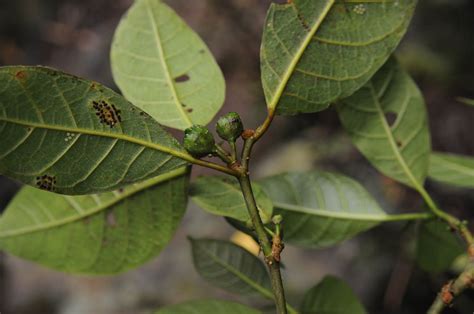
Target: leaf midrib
(60, 222)
(160, 50)
(287, 75)
(331, 213)
(118, 136)
(392, 141)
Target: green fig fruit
(229, 127)
(198, 141)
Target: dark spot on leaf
(21, 75)
(182, 78)
(46, 182)
(108, 114)
(120, 190)
(189, 110)
(399, 143)
(391, 117)
(110, 219)
(86, 220)
(340, 8)
(202, 51)
(183, 105)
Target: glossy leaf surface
(222, 196)
(321, 209)
(437, 247)
(331, 296)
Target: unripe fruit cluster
(199, 142)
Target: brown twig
(453, 289)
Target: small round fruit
(198, 141)
(229, 127)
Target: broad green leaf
(208, 307)
(65, 134)
(162, 66)
(452, 169)
(222, 196)
(99, 233)
(230, 267)
(466, 101)
(331, 296)
(387, 121)
(321, 209)
(316, 52)
(437, 247)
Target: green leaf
(95, 234)
(437, 247)
(222, 196)
(331, 296)
(73, 136)
(466, 101)
(162, 66)
(208, 307)
(387, 121)
(452, 169)
(230, 267)
(316, 52)
(321, 209)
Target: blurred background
(438, 51)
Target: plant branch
(249, 142)
(453, 289)
(271, 249)
(223, 155)
(466, 279)
(273, 265)
(210, 165)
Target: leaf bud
(277, 219)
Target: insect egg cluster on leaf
(108, 114)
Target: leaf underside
(99, 233)
(452, 169)
(387, 121)
(68, 135)
(230, 267)
(222, 196)
(316, 52)
(208, 307)
(163, 67)
(321, 209)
